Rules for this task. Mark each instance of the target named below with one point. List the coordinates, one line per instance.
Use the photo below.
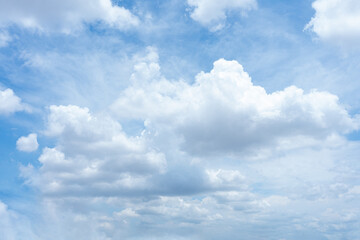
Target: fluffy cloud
(93, 156)
(27, 144)
(336, 21)
(212, 13)
(64, 16)
(185, 172)
(223, 112)
(10, 103)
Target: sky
(179, 119)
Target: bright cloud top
(212, 13)
(10, 103)
(64, 16)
(27, 144)
(223, 112)
(336, 20)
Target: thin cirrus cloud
(213, 13)
(14, 225)
(65, 16)
(336, 21)
(4, 38)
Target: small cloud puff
(212, 13)
(27, 144)
(10, 103)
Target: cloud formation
(212, 13)
(27, 144)
(337, 21)
(10, 103)
(222, 112)
(93, 156)
(186, 172)
(65, 16)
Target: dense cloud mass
(129, 119)
(337, 21)
(223, 112)
(93, 156)
(199, 161)
(64, 16)
(213, 13)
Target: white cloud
(27, 144)
(221, 178)
(212, 13)
(223, 112)
(10, 103)
(64, 16)
(337, 21)
(185, 174)
(128, 212)
(14, 226)
(355, 190)
(93, 157)
(4, 38)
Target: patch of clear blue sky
(269, 42)
(12, 187)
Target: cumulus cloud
(224, 112)
(64, 16)
(185, 173)
(93, 156)
(336, 21)
(27, 144)
(10, 103)
(212, 13)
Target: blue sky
(180, 119)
